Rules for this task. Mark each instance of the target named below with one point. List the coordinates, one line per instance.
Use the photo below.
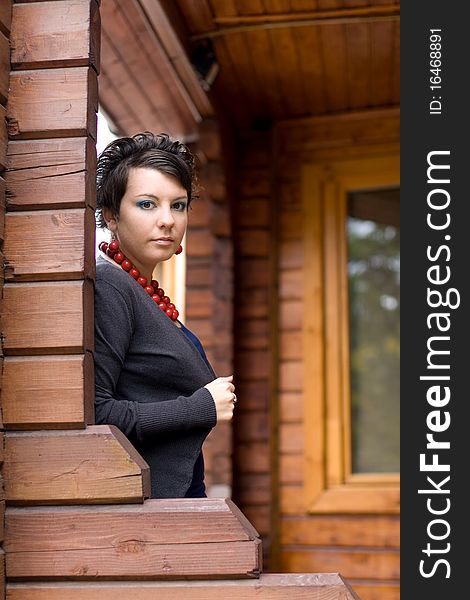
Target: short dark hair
(150, 150)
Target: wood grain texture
(52, 103)
(93, 466)
(2, 209)
(68, 305)
(5, 16)
(160, 539)
(165, 521)
(3, 138)
(65, 34)
(2, 573)
(56, 173)
(342, 530)
(377, 590)
(308, 586)
(63, 242)
(2, 518)
(351, 563)
(34, 397)
(4, 67)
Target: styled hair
(148, 150)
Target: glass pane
(374, 315)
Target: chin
(163, 256)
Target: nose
(166, 219)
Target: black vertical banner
(435, 356)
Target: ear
(111, 220)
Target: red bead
(142, 281)
(162, 305)
(135, 273)
(172, 306)
(169, 312)
(165, 299)
(126, 265)
(149, 290)
(118, 257)
(114, 245)
(156, 298)
(155, 283)
(110, 252)
(160, 291)
(103, 246)
(175, 315)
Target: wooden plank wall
(5, 28)
(209, 289)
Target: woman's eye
(145, 204)
(179, 205)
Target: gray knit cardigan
(149, 381)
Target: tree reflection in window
(373, 234)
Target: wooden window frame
(329, 484)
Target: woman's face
(152, 218)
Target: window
(373, 239)
(337, 209)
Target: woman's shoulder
(108, 273)
(112, 282)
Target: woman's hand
(223, 393)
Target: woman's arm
(114, 327)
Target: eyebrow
(157, 198)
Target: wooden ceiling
(278, 59)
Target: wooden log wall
(363, 548)
(254, 314)
(209, 289)
(5, 29)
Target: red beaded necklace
(157, 293)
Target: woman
(152, 377)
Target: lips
(164, 239)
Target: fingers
(229, 379)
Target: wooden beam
(63, 245)
(295, 586)
(165, 521)
(28, 307)
(93, 466)
(235, 24)
(166, 29)
(68, 36)
(56, 173)
(162, 539)
(34, 397)
(53, 103)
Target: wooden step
(97, 465)
(294, 586)
(161, 539)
